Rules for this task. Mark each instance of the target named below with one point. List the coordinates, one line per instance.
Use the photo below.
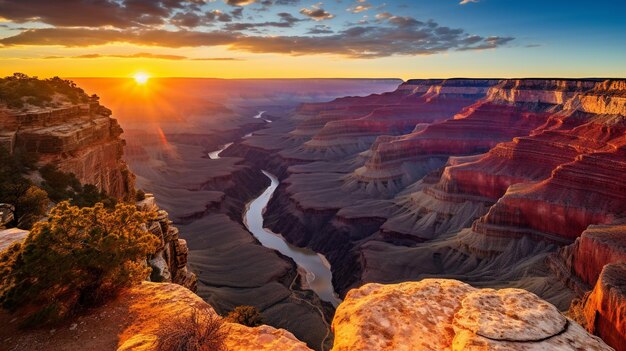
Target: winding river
(214, 155)
(318, 274)
(315, 267)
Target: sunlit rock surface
(451, 315)
(603, 310)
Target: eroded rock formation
(81, 139)
(169, 264)
(451, 315)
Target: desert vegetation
(202, 330)
(246, 315)
(19, 89)
(79, 257)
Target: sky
(318, 39)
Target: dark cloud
(143, 55)
(286, 21)
(394, 36)
(320, 29)
(317, 13)
(94, 13)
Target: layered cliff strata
(81, 139)
(354, 124)
(450, 315)
(169, 264)
(602, 310)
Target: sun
(141, 78)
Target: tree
(30, 207)
(246, 315)
(79, 257)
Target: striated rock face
(603, 310)
(80, 139)
(451, 315)
(582, 262)
(169, 264)
(346, 126)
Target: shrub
(30, 207)
(79, 257)
(30, 202)
(140, 195)
(203, 330)
(19, 88)
(246, 315)
(63, 186)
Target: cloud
(464, 2)
(390, 36)
(144, 55)
(364, 6)
(286, 20)
(317, 13)
(89, 13)
(239, 2)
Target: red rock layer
(525, 159)
(603, 311)
(398, 112)
(589, 190)
(582, 262)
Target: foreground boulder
(451, 315)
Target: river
(318, 274)
(316, 268)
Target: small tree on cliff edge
(246, 315)
(79, 257)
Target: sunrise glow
(141, 78)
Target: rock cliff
(84, 140)
(78, 138)
(450, 315)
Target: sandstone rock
(603, 310)
(153, 305)
(80, 139)
(450, 315)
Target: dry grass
(202, 330)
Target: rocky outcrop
(81, 139)
(450, 315)
(169, 264)
(164, 304)
(602, 311)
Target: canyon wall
(81, 139)
(478, 180)
(84, 140)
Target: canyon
(431, 200)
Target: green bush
(18, 89)
(30, 202)
(79, 257)
(246, 315)
(63, 186)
